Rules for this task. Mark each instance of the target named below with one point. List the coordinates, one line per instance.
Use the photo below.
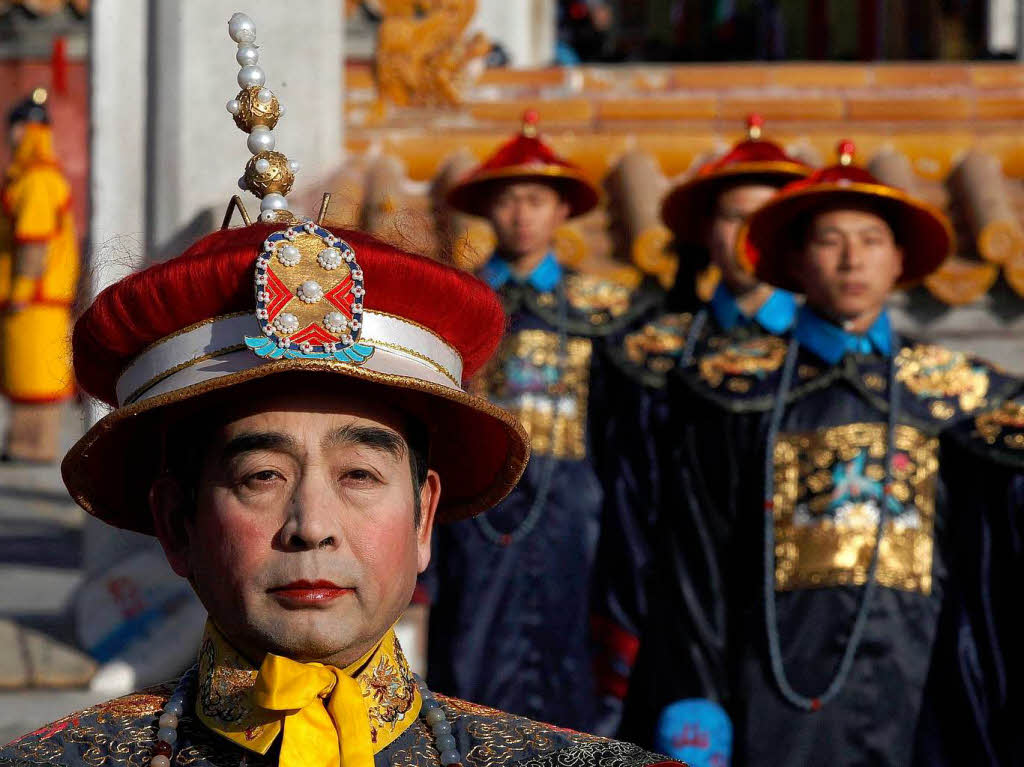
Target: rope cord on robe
(540, 500)
(815, 703)
(693, 335)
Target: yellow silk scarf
(324, 715)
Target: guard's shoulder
(997, 434)
(497, 738)
(648, 354)
(125, 727)
(601, 306)
(743, 374)
(941, 387)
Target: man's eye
(360, 475)
(267, 475)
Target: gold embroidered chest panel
(545, 386)
(828, 496)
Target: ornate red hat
(288, 297)
(766, 242)
(524, 158)
(687, 207)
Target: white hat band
(217, 348)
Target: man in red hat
(705, 214)
(289, 421)
(809, 580)
(509, 612)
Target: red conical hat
(524, 158)
(686, 207)
(766, 242)
(287, 300)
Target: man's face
(733, 207)
(14, 134)
(850, 263)
(303, 541)
(525, 217)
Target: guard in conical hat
(841, 570)
(290, 422)
(526, 608)
(705, 214)
(38, 278)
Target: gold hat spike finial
(269, 175)
(530, 119)
(847, 150)
(755, 126)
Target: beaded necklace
(174, 709)
(540, 500)
(804, 702)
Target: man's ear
(167, 505)
(430, 495)
(898, 269)
(563, 210)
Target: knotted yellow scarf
(328, 716)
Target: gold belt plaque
(547, 394)
(828, 496)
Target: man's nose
(314, 517)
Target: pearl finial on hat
(269, 175)
(530, 119)
(755, 123)
(847, 149)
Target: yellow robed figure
(39, 268)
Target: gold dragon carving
(423, 51)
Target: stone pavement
(40, 566)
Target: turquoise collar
(832, 343)
(776, 315)
(548, 273)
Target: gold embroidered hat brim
(473, 195)
(765, 244)
(108, 472)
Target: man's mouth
(308, 592)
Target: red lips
(308, 592)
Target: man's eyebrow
(373, 437)
(248, 442)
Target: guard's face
(304, 540)
(734, 206)
(525, 217)
(850, 263)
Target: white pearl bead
(282, 111)
(251, 75)
(294, 166)
(233, 106)
(168, 720)
(273, 201)
(241, 28)
(247, 55)
(160, 761)
(264, 95)
(267, 215)
(242, 183)
(260, 140)
(262, 165)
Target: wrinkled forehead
(304, 405)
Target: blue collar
(497, 272)
(775, 315)
(832, 343)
